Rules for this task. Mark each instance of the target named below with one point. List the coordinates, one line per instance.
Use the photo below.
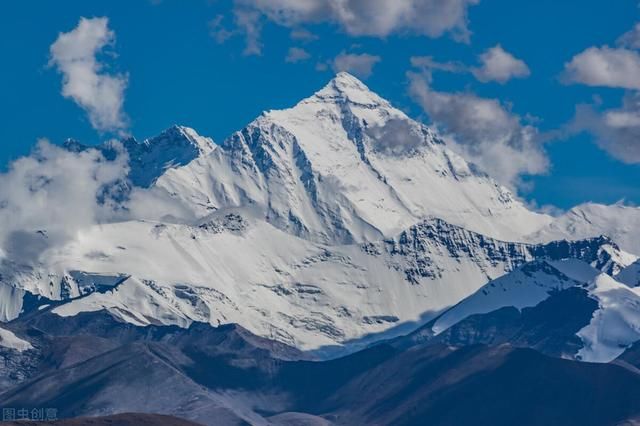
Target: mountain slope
(502, 385)
(564, 308)
(176, 372)
(236, 269)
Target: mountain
(337, 265)
(238, 269)
(175, 147)
(327, 226)
(226, 381)
(344, 166)
(502, 385)
(562, 308)
(617, 221)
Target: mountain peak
(344, 87)
(174, 147)
(181, 135)
(344, 78)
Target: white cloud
(484, 131)
(46, 198)
(55, 191)
(249, 23)
(101, 95)
(301, 34)
(631, 38)
(605, 66)
(217, 30)
(297, 54)
(427, 64)
(377, 18)
(360, 64)
(496, 65)
(499, 65)
(617, 131)
(396, 137)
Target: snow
(233, 267)
(330, 224)
(323, 170)
(525, 287)
(9, 340)
(617, 221)
(239, 269)
(630, 275)
(10, 301)
(615, 325)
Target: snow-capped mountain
(619, 222)
(614, 320)
(326, 226)
(345, 166)
(177, 146)
(232, 268)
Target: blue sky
(178, 69)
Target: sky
(543, 95)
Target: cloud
(427, 64)
(496, 65)
(297, 54)
(484, 131)
(54, 191)
(396, 137)
(617, 130)
(377, 18)
(100, 94)
(360, 65)
(249, 23)
(303, 35)
(499, 65)
(49, 196)
(217, 30)
(605, 66)
(631, 39)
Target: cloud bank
(46, 198)
(84, 79)
(376, 18)
(616, 130)
(56, 192)
(484, 131)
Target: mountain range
(332, 263)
